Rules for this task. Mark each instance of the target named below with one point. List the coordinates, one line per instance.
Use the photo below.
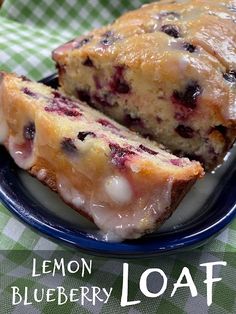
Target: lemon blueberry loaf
(126, 184)
(167, 70)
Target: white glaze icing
(22, 153)
(135, 167)
(222, 15)
(118, 189)
(117, 225)
(160, 200)
(42, 174)
(131, 224)
(78, 201)
(69, 193)
(183, 63)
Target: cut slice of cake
(126, 184)
(167, 70)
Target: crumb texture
(126, 184)
(162, 70)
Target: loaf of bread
(126, 184)
(167, 70)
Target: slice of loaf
(167, 70)
(126, 184)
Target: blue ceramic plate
(206, 210)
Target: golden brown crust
(49, 179)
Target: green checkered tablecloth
(29, 31)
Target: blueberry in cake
(167, 70)
(126, 184)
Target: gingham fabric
(29, 31)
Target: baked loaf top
(152, 36)
(175, 56)
(126, 184)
